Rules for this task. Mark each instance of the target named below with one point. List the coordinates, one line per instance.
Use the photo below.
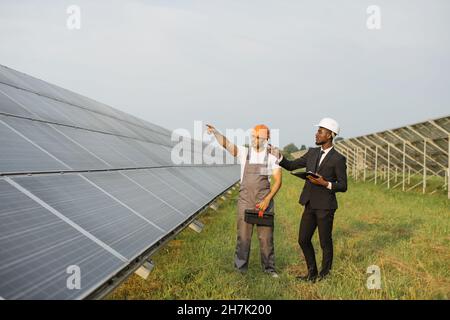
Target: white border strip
(65, 219)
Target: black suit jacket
(333, 168)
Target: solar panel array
(406, 157)
(86, 185)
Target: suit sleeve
(291, 165)
(341, 173)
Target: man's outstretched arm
(289, 165)
(223, 141)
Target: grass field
(406, 234)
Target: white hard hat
(329, 124)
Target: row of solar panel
(26, 104)
(26, 82)
(31, 146)
(98, 221)
(125, 213)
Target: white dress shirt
(325, 154)
(257, 158)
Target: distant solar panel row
(120, 193)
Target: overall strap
(266, 157)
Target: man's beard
(319, 143)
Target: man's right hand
(275, 151)
(211, 129)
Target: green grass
(434, 184)
(405, 234)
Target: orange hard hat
(261, 130)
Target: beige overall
(255, 186)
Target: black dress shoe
(308, 277)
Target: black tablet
(310, 173)
(304, 175)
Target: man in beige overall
(257, 165)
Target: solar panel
(102, 145)
(181, 186)
(88, 186)
(190, 176)
(13, 78)
(138, 198)
(164, 191)
(8, 106)
(43, 106)
(94, 211)
(46, 137)
(37, 247)
(20, 154)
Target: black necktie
(318, 160)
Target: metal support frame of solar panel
(63, 173)
(420, 149)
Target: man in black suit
(319, 195)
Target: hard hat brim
(318, 125)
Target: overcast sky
(239, 63)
